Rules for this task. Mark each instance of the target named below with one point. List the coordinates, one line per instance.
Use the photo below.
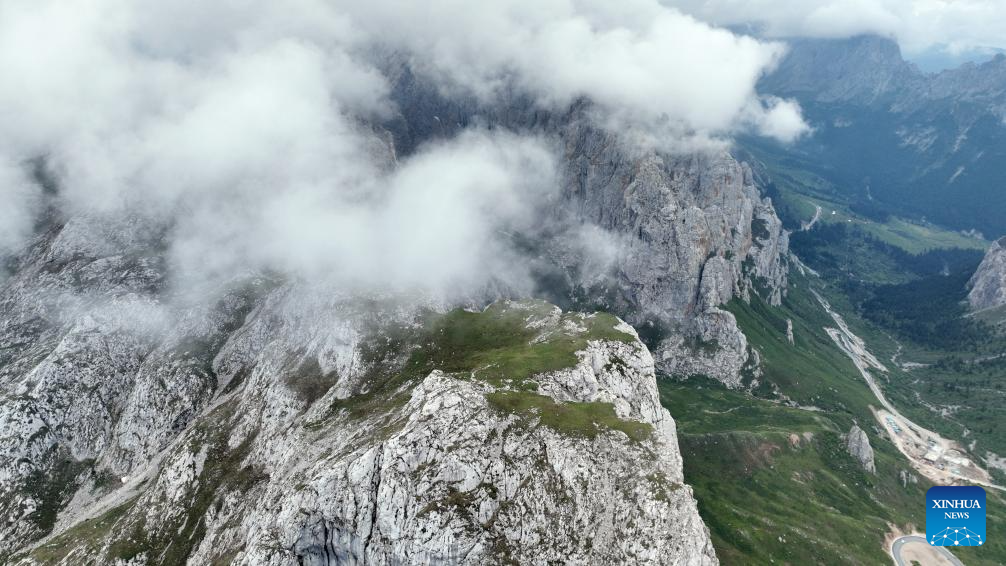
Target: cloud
(433, 224)
(780, 119)
(644, 65)
(244, 129)
(918, 25)
(21, 199)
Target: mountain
(275, 420)
(916, 144)
(693, 230)
(558, 449)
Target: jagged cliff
(348, 431)
(691, 231)
(271, 420)
(988, 285)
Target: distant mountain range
(919, 144)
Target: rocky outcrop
(392, 438)
(858, 445)
(988, 285)
(695, 234)
(281, 422)
(691, 231)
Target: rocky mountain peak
(347, 427)
(517, 433)
(867, 68)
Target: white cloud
(21, 201)
(639, 61)
(778, 118)
(432, 224)
(241, 125)
(918, 25)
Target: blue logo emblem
(955, 516)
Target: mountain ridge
(925, 146)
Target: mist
(249, 132)
(953, 27)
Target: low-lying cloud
(646, 67)
(918, 25)
(245, 127)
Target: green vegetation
(500, 345)
(957, 372)
(584, 420)
(929, 312)
(776, 484)
(811, 371)
(920, 315)
(50, 491)
(840, 251)
(956, 182)
(799, 185)
(900, 283)
(222, 474)
(702, 406)
(309, 382)
(86, 535)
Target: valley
(943, 461)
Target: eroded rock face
(547, 443)
(696, 234)
(988, 285)
(692, 231)
(858, 445)
(276, 421)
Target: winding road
(807, 225)
(941, 460)
(912, 547)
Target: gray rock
(697, 234)
(434, 470)
(858, 445)
(692, 231)
(225, 429)
(988, 285)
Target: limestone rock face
(278, 421)
(692, 230)
(281, 422)
(697, 234)
(858, 445)
(329, 431)
(988, 285)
